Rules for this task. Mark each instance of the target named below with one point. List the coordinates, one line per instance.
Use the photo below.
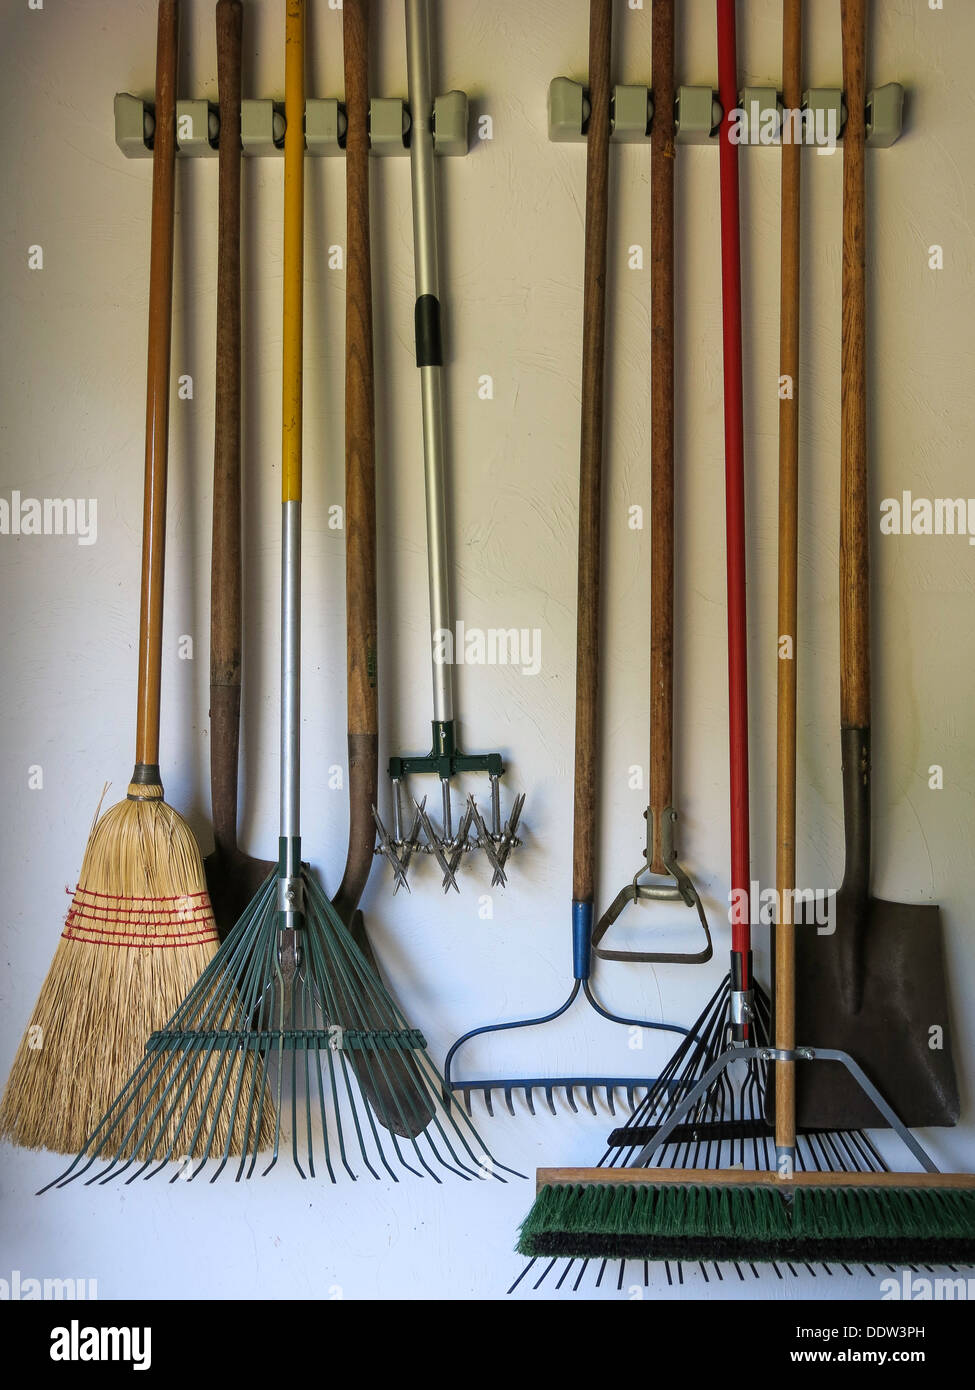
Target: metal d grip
(682, 890)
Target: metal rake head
(280, 1025)
(607, 1088)
(447, 845)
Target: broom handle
(225, 574)
(788, 565)
(360, 471)
(157, 395)
(662, 151)
(854, 557)
(734, 494)
(591, 454)
(294, 205)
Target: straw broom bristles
(138, 934)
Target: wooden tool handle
(854, 520)
(294, 247)
(591, 453)
(360, 469)
(225, 571)
(662, 152)
(734, 482)
(788, 575)
(157, 386)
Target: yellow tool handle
(294, 225)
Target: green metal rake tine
(355, 1114)
(321, 1098)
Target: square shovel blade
(896, 1025)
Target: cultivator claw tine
(611, 1099)
(509, 1099)
(485, 841)
(551, 1099)
(590, 1100)
(631, 1097)
(570, 1095)
(436, 847)
(388, 850)
(457, 846)
(508, 838)
(488, 1101)
(467, 1102)
(530, 1098)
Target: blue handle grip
(581, 940)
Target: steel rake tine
(521, 1276)
(544, 1275)
(509, 1099)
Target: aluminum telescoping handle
(429, 354)
(294, 156)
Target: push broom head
(138, 933)
(268, 1049)
(866, 1218)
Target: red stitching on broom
(153, 943)
(136, 919)
(128, 898)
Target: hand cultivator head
(288, 1020)
(448, 846)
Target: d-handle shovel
(875, 985)
(661, 851)
(233, 877)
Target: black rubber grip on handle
(429, 344)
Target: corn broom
(140, 927)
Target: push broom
(289, 1014)
(789, 1212)
(140, 927)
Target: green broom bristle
(755, 1224)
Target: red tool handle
(734, 482)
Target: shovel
(396, 1101)
(233, 877)
(875, 987)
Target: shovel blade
(233, 881)
(900, 1033)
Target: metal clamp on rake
(445, 759)
(682, 890)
